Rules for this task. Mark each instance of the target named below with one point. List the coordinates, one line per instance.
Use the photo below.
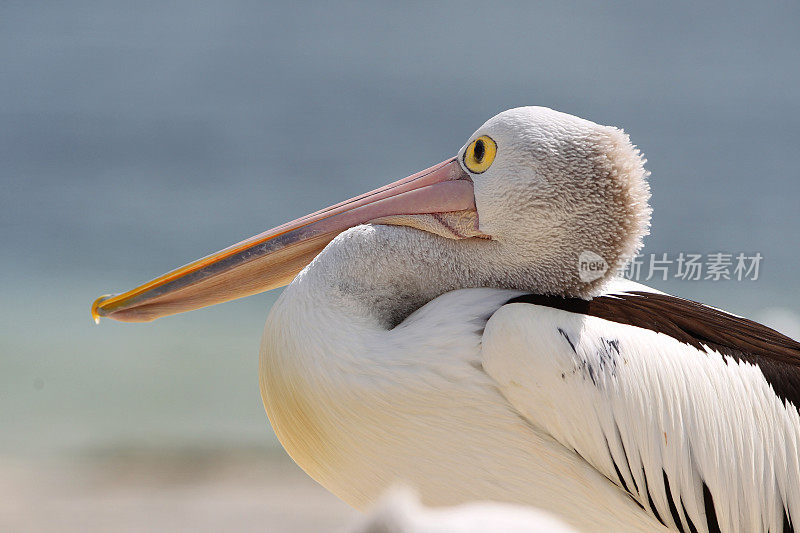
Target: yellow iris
(480, 154)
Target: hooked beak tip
(96, 314)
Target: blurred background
(135, 137)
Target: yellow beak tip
(96, 304)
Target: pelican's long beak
(272, 259)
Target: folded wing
(690, 409)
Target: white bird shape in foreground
(400, 512)
(442, 333)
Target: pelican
(440, 332)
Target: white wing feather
(655, 407)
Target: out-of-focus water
(135, 137)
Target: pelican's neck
(383, 273)
(380, 274)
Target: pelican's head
(562, 196)
(536, 200)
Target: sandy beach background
(158, 490)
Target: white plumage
(400, 512)
(437, 405)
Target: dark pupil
(480, 151)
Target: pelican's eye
(479, 155)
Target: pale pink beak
(272, 259)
